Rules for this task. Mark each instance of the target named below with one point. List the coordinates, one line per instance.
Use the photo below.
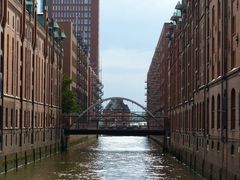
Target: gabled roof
(116, 105)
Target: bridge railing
(85, 125)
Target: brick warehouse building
(31, 85)
(204, 86)
(157, 79)
(84, 14)
(75, 64)
(116, 114)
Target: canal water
(108, 158)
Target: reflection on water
(110, 158)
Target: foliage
(69, 98)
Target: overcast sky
(129, 32)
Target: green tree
(69, 98)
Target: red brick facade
(204, 86)
(157, 80)
(31, 69)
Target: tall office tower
(84, 14)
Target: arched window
(233, 109)
(218, 111)
(213, 112)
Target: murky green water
(108, 158)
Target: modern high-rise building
(84, 14)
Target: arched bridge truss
(156, 129)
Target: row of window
(27, 138)
(83, 22)
(194, 119)
(12, 119)
(233, 112)
(187, 140)
(72, 1)
(72, 7)
(12, 67)
(66, 14)
(26, 84)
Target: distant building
(75, 64)
(84, 14)
(116, 114)
(157, 78)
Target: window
(25, 119)
(232, 149)
(18, 26)
(11, 117)
(212, 145)
(7, 70)
(218, 111)
(8, 17)
(233, 59)
(218, 146)
(233, 25)
(213, 113)
(233, 109)
(16, 123)
(17, 55)
(13, 22)
(207, 116)
(6, 116)
(12, 73)
(219, 39)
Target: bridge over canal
(116, 119)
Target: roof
(117, 105)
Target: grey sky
(129, 31)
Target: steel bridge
(115, 132)
(116, 122)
